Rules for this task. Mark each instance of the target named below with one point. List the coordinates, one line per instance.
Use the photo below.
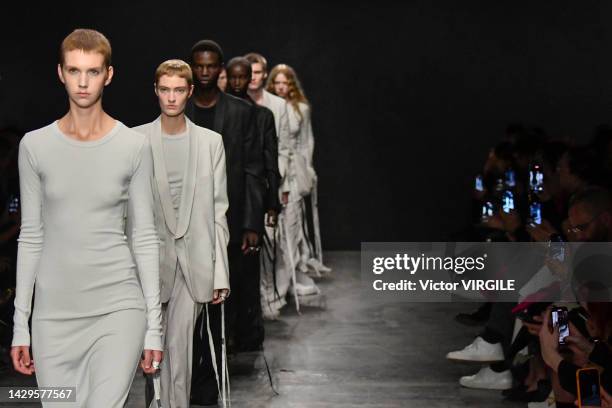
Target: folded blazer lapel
(189, 182)
(161, 176)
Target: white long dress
(293, 248)
(96, 306)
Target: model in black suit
(234, 119)
(251, 330)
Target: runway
(356, 353)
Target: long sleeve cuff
(153, 340)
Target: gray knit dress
(94, 310)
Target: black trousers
(243, 319)
(243, 308)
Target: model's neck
(257, 95)
(86, 123)
(206, 97)
(173, 125)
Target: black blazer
(246, 189)
(269, 145)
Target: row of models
(292, 251)
(153, 287)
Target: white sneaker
(487, 379)
(480, 351)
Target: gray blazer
(280, 110)
(198, 240)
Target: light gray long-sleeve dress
(94, 311)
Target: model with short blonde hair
(97, 307)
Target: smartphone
(588, 386)
(478, 185)
(510, 179)
(13, 204)
(559, 319)
(556, 248)
(487, 210)
(536, 178)
(508, 201)
(535, 212)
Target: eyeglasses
(582, 227)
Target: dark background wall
(407, 96)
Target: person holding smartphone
(97, 308)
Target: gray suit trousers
(179, 316)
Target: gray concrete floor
(359, 352)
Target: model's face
(172, 92)
(84, 75)
(258, 77)
(222, 81)
(238, 80)
(206, 69)
(281, 85)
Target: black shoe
(476, 318)
(538, 395)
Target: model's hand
(148, 357)
(249, 243)
(285, 198)
(21, 360)
(271, 218)
(219, 296)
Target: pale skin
(258, 78)
(173, 92)
(84, 75)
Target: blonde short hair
(174, 67)
(88, 41)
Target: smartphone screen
(508, 201)
(487, 210)
(478, 183)
(559, 319)
(588, 388)
(536, 179)
(13, 204)
(535, 212)
(510, 179)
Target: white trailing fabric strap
(223, 387)
(291, 261)
(157, 389)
